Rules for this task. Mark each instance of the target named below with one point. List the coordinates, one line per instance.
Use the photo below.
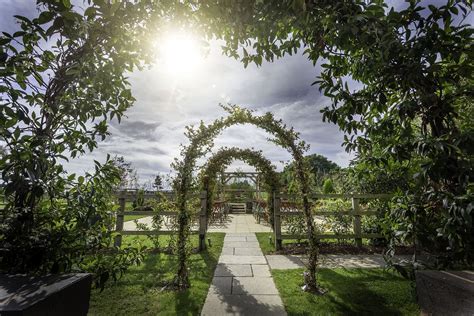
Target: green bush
(328, 186)
(68, 232)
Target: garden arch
(224, 157)
(201, 142)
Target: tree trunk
(182, 280)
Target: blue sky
(167, 101)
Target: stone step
(236, 208)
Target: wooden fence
(356, 212)
(130, 196)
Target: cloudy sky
(168, 100)
(174, 94)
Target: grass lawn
(264, 241)
(350, 292)
(138, 291)
(269, 248)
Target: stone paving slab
(235, 238)
(228, 259)
(350, 261)
(247, 252)
(239, 234)
(227, 251)
(329, 261)
(254, 305)
(242, 283)
(236, 270)
(252, 238)
(221, 285)
(242, 244)
(239, 223)
(255, 285)
(284, 262)
(261, 270)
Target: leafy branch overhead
(62, 78)
(400, 84)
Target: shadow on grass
(139, 291)
(350, 292)
(354, 293)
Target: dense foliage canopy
(400, 82)
(62, 78)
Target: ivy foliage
(224, 157)
(201, 142)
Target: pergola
(225, 177)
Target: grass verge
(138, 291)
(350, 292)
(265, 244)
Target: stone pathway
(242, 283)
(235, 223)
(239, 223)
(330, 261)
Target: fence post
(357, 221)
(119, 222)
(203, 221)
(277, 220)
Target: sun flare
(180, 53)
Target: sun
(180, 53)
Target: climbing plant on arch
(224, 157)
(201, 142)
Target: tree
(158, 183)
(328, 186)
(414, 71)
(62, 78)
(128, 174)
(320, 167)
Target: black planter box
(65, 294)
(445, 292)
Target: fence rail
(356, 211)
(129, 196)
(335, 236)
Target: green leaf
(90, 12)
(45, 17)
(67, 3)
(19, 33)
(22, 18)
(4, 40)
